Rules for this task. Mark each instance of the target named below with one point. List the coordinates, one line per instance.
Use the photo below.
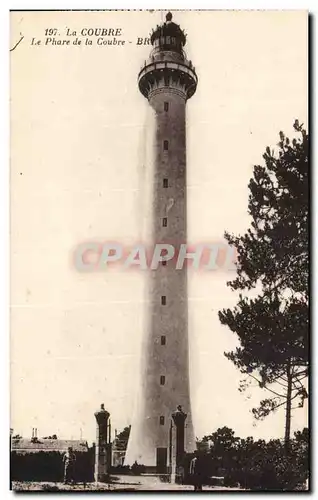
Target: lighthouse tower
(167, 80)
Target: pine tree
(121, 439)
(273, 259)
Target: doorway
(162, 454)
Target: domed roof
(168, 28)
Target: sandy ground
(121, 483)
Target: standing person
(69, 466)
(195, 472)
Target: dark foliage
(256, 465)
(120, 470)
(272, 327)
(48, 466)
(121, 440)
(137, 469)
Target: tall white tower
(167, 80)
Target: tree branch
(265, 387)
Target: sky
(77, 151)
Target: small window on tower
(163, 300)
(162, 420)
(163, 262)
(163, 340)
(164, 222)
(162, 380)
(165, 145)
(166, 106)
(165, 183)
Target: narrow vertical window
(165, 183)
(166, 106)
(165, 145)
(164, 222)
(163, 300)
(162, 380)
(162, 420)
(163, 340)
(163, 262)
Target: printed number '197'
(51, 31)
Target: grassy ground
(121, 483)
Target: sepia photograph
(159, 250)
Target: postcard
(159, 250)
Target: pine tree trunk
(288, 407)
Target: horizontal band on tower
(167, 90)
(160, 69)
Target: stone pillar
(102, 444)
(179, 418)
